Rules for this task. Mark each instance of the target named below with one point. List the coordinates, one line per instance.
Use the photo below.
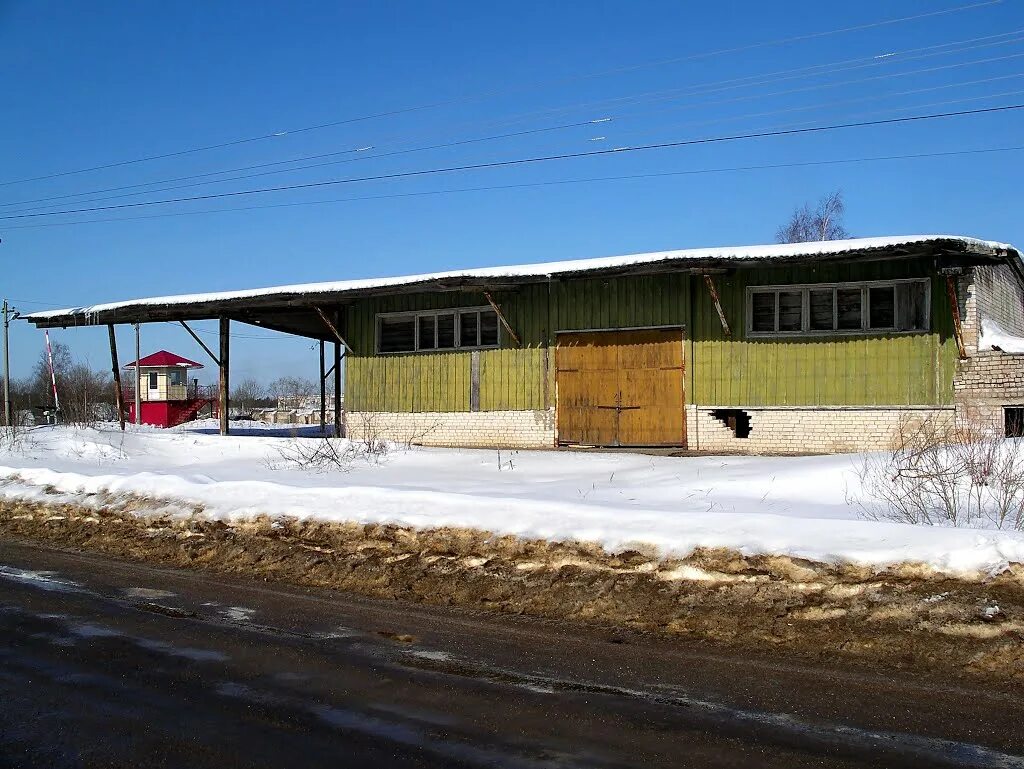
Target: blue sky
(91, 84)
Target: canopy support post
(323, 391)
(225, 350)
(138, 378)
(116, 369)
(338, 346)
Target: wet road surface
(108, 663)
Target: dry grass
(906, 616)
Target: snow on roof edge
(544, 269)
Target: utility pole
(138, 378)
(9, 314)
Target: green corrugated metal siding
(648, 300)
(900, 369)
(912, 369)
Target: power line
(238, 336)
(551, 183)
(823, 86)
(874, 97)
(699, 89)
(491, 93)
(818, 70)
(445, 145)
(531, 160)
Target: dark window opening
(882, 303)
(822, 304)
(427, 341)
(398, 334)
(764, 311)
(445, 332)
(468, 326)
(848, 309)
(429, 330)
(791, 306)
(1013, 418)
(154, 380)
(911, 303)
(736, 420)
(488, 329)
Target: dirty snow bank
(794, 506)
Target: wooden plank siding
(879, 370)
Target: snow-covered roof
(716, 256)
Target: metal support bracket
(502, 318)
(333, 329)
(710, 283)
(200, 342)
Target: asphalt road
(107, 663)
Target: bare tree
(292, 392)
(248, 395)
(823, 222)
(85, 395)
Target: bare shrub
(945, 472)
(331, 454)
(374, 429)
(16, 440)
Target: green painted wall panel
(897, 369)
(648, 300)
(915, 369)
(511, 378)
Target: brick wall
(988, 381)
(805, 430)
(485, 429)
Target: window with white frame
(461, 329)
(895, 306)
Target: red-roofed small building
(167, 397)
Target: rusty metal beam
(954, 307)
(501, 317)
(200, 342)
(710, 283)
(332, 328)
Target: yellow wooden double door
(621, 388)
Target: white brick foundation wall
(484, 429)
(773, 430)
(815, 429)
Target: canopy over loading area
(316, 310)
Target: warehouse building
(788, 348)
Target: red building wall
(165, 413)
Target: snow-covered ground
(796, 506)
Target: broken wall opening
(737, 420)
